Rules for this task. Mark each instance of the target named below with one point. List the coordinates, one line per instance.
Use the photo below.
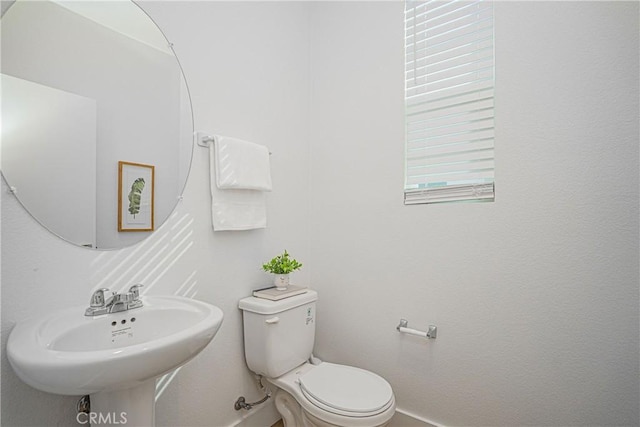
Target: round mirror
(96, 119)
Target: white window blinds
(449, 85)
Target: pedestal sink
(115, 358)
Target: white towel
(235, 209)
(241, 164)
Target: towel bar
(431, 333)
(204, 140)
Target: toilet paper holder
(430, 333)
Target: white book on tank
(273, 294)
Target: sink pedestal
(131, 407)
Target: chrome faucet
(116, 303)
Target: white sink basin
(70, 353)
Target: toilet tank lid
(265, 306)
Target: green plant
(135, 195)
(282, 264)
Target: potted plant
(281, 266)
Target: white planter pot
(281, 281)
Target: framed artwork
(135, 196)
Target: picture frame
(136, 189)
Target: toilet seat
(359, 393)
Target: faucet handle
(97, 299)
(135, 291)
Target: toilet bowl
(279, 338)
(333, 395)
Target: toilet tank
(278, 335)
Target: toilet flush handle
(272, 320)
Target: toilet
(278, 344)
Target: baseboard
(267, 415)
(404, 418)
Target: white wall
(249, 79)
(536, 295)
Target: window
(449, 87)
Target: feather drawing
(135, 195)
